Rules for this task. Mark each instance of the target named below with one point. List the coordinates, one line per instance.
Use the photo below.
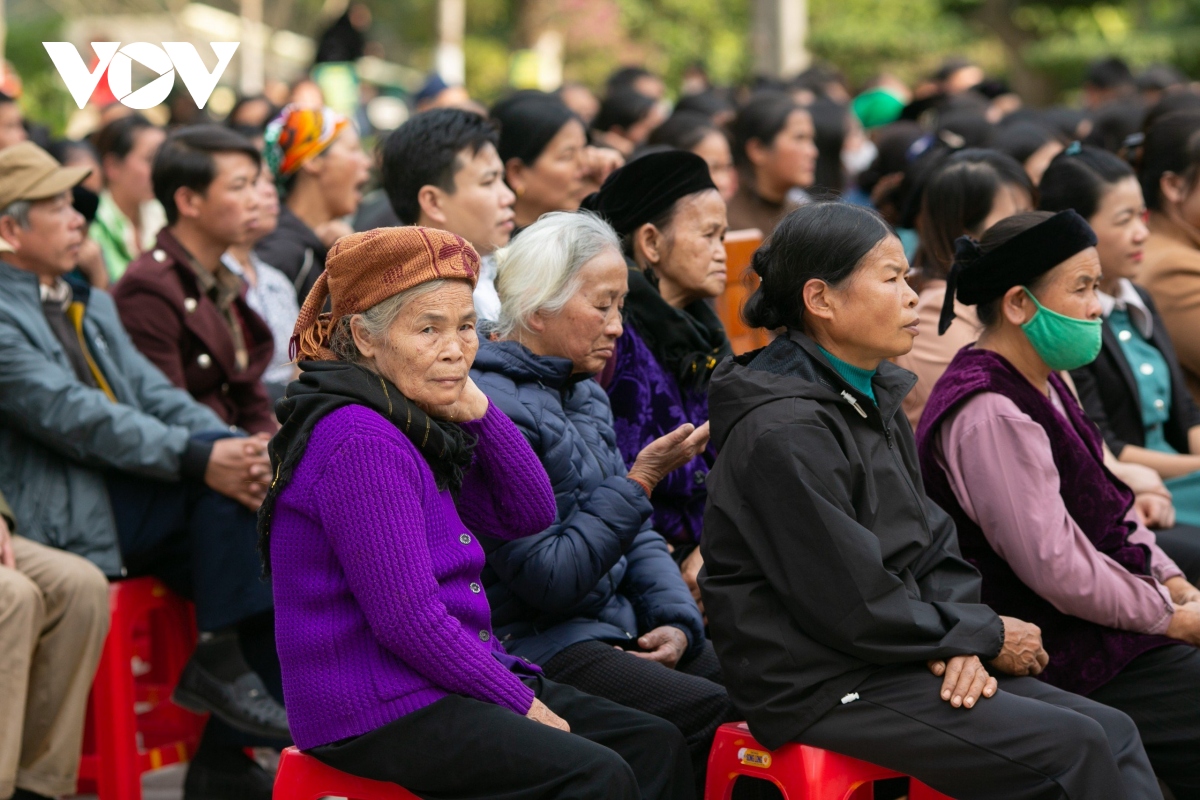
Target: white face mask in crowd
(857, 160)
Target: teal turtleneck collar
(857, 377)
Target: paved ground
(162, 784)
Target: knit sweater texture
(378, 600)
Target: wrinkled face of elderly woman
(1068, 289)
(428, 349)
(872, 314)
(586, 329)
(689, 255)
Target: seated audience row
(489, 497)
(106, 459)
(817, 480)
(392, 466)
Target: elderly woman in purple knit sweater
(388, 463)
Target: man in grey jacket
(103, 457)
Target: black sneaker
(226, 773)
(244, 703)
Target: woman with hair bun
(842, 610)
(594, 599)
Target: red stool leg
(735, 753)
(119, 775)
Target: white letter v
(80, 83)
(196, 77)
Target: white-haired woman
(600, 575)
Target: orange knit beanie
(364, 269)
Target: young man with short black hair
(182, 306)
(187, 313)
(441, 170)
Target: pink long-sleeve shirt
(1001, 469)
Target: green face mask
(1063, 342)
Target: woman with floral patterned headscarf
(320, 167)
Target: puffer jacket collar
(521, 365)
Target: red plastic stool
(132, 727)
(801, 772)
(302, 777)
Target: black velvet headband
(978, 277)
(646, 187)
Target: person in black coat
(1135, 390)
(839, 603)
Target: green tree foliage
(906, 37)
(1057, 39)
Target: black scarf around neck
(326, 386)
(689, 342)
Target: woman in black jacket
(837, 598)
(1135, 390)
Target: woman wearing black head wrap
(1007, 451)
(671, 221)
(547, 161)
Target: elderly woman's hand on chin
(472, 404)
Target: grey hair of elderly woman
(375, 321)
(539, 271)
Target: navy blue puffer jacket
(600, 572)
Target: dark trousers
(1029, 741)
(1160, 690)
(203, 545)
(692, 696)
(200, 543)
(463, 748)
(1182, 544)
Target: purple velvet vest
(1083, 655)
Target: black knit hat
(644, 188)
(528, 121)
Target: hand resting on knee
(965, 679)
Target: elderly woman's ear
(651, 243)
(1015, 306)
(365, 344)
(536, 322)
(817, 299)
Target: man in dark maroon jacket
(183, 308)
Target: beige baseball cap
(27, 172)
